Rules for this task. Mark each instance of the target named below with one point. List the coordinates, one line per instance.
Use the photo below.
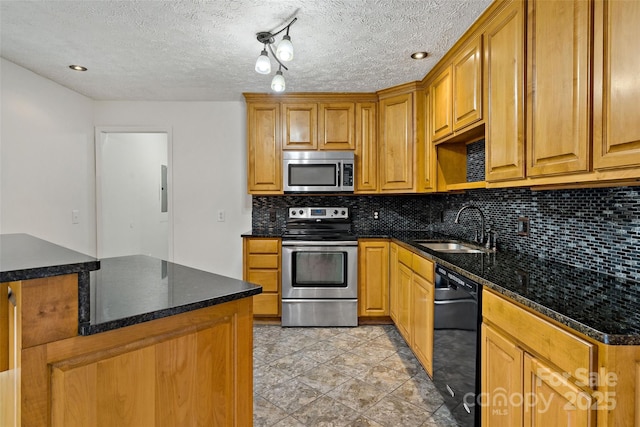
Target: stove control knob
(343, 213)
(293, 212)
(300, 211)
(335, 212)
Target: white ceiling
(206, 50)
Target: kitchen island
(145, 343)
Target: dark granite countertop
(24, 257)
(134, 289)
(123, 291)
(603, 307)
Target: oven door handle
(319, 243)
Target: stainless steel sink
(451, 246)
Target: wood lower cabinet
(412, 301)
(558, 82)
(504, 41)
(616, 124)
(262, 266)
(373, 278)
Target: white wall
(47, 167)
(46, 160)
(209, 174)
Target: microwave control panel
(319, 213)
(347, 175)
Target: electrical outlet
(75, 216)
(221, 215)
(376, 215)
(523, 226)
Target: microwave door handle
(338, 169)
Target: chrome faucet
(480, 237)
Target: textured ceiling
(206, 50)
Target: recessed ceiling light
(419, 55)
(78, 68)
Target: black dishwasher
(456, 356)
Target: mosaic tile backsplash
(596, 229)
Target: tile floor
(364, 376)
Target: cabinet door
(422, 321)
(426, 150)
(396, 143)
(404, 301)
(504, 42)
(264, 156)
(501, 379)
(394, 265)
(366, 152)
(336, 126)
(558, 402)
(441, 109)
(467, 85)
(373, 278)
(559, 42)
(616, 124)
(299, 126)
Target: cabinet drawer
(264, 246)
(263, 261)
(423, 267)
(405, 256)
(268, 279)
(266, 304)
(560, 347)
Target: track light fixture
(283, 53)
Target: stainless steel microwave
(318, 171)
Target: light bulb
(277, 84)
(263, 64)
(285, 49)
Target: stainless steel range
(319, 268)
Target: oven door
(319, 269)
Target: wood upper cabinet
(336, 126)
(397, 145)
(366, 150)
(373, 278)
(616, 116)
(426, 164)
(559, 41)
(299, 126)
(467, 85)
(504, 42)
(264, 155)
(441, 105)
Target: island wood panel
(264, 154)
(4, 326)
(366, 158)
(558, 105)
(616, 124)
(193, 368)
(504, 62)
